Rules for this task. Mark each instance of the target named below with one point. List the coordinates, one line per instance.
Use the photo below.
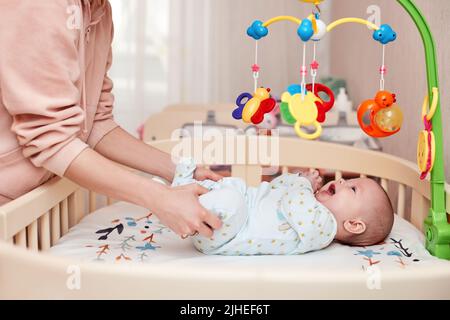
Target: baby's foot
(184, 172)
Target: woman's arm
(122, 147)
(177, 208)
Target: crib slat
(44, 231)
(363, 176)
(109, 201)
(76, 207)
(254, 173)
(384, 184)
(92, 201)
(419, 206)
(239, 171)
(32, 236)
(338, 175)
(20, 239)
(55, 222)
(64, 207)
(401, 200)
(284, 170)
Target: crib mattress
(126, 234)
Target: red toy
(322, 106)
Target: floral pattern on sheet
(129, 239)
(393, 250)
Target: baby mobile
(303, 105)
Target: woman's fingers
(206, 223)
(186, 216)
(185, 231)
(199, 190)
(212, 220)
(204, 230)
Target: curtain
(140, 59)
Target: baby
(292, 214)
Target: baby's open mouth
(331, 189)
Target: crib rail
(410, 195)
(38, 219)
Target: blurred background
(197, 52)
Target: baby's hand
(313, 176)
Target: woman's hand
(180, 210)
(202, 173)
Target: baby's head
(362, 210)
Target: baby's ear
(355, 226)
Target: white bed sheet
(125, 233)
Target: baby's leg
(229, 205)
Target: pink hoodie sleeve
(103, 119)
(39, 70)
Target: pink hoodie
(55, 95)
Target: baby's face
(346, 198)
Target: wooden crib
(33, 223)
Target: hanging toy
(252, 108)
(301, 105)
(426, 146)
(385, 117)
(270, 120)
(322, 106)
(426, 149)
(381, 117)
(286, 115)
(303, 112)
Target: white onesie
(278, 218)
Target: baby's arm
(184, 174)
(292, 180)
